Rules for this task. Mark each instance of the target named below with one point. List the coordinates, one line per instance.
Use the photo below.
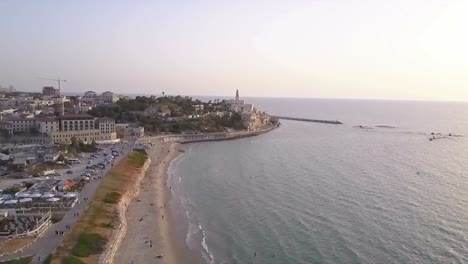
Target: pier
(307, 120)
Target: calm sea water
(314, 193)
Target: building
(90, 94)
(199, 108)
(239, 106)
(6, 126)
(51, 157)
(128, 132)
(76, 122)
(22, 125)
(106, 124)
(158, 110)
(255, 120)
(109, 97)
(50, 91)
(83, 127)
(47, 125)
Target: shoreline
(150, 237)
(151, 232)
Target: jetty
(331, 122)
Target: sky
(370, 49)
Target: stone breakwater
(118, 235)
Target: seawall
(119, 233)
(331, 122)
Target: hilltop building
(252, 118)
(239, 106)
(91, 97)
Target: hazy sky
(399, 49)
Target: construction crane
(59, 82)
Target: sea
(373, 190)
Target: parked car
(58, 174)
(69, 172)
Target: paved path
(49, 241)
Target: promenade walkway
(49, 241)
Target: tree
(74, 142)
(5, 133)
(34, 131)
(61, 158)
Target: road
(49, 241)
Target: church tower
(237, 94)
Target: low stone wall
(119, 234)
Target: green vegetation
(48, 260)
(13, 190)
(78, 146)
(155, 122)
(109, 225)
(137, 158)
(18, 261)
(56, 218)
(88, 237)
(71, 260)
(111, 197)
(89, 244)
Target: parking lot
(76, 171)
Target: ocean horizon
(373, 190)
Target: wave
(191, 232)
(208, 256)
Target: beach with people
(149, 237)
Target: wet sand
(150, 237)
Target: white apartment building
(106, 125)
(47, 125)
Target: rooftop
(3, 123)
(106, 119)
(75, 116)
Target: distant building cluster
(8, 89)
(93, 98)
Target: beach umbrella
(35, 195)
(25, 200)
(22, 195)
(70, 195)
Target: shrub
(72, 260)
(111, 198)
(137, 158)
(89, 244)
(18, 261)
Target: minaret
(237, 94)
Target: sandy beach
(149, 236)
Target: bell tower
(237, 94)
